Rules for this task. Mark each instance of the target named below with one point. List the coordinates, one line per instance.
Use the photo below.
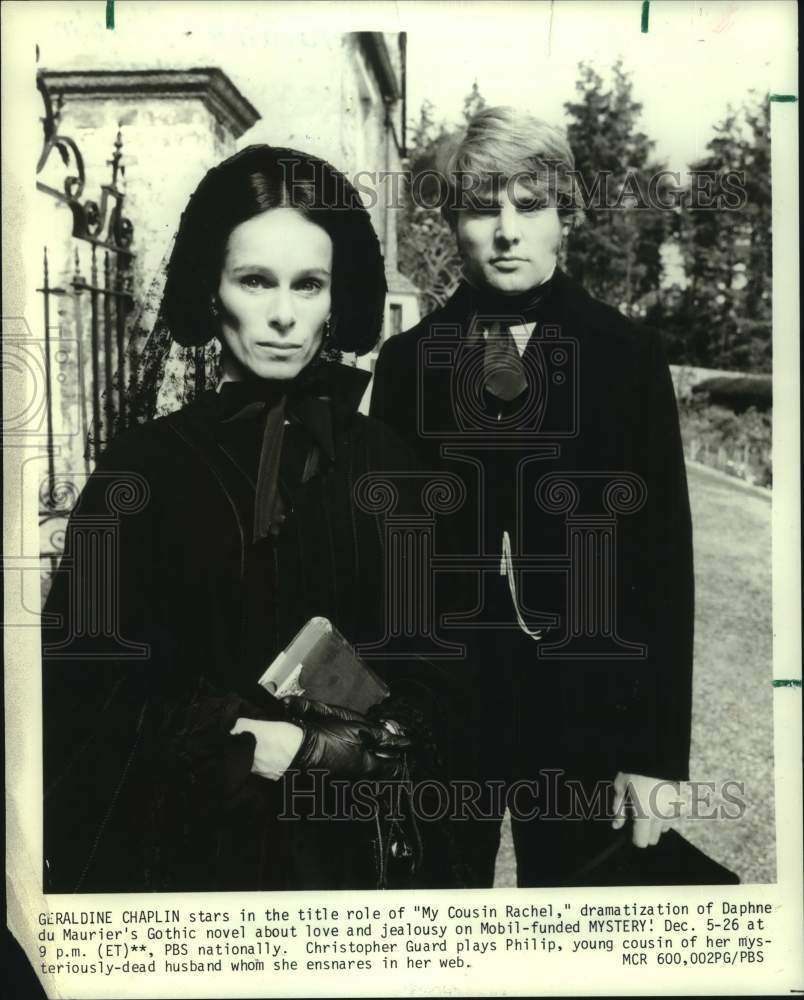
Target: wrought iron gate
(98, 295)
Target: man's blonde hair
(502, 143)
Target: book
(321, 665)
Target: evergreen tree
(727, 249)
(616, 251)
(473, 102)
(427, 250)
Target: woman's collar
(341, 385)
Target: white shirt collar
(521, 334)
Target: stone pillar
(174, 125)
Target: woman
(229, 524)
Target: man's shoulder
(580, 304)
(402, 344)
(406, 343)
(382, 447)
(576, 309)
(602, 319)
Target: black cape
(161, 617)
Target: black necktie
(504, 375)
(503, 371)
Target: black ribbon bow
(313, 398)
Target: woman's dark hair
(253, 181)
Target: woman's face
(274, 295)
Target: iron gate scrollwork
(99, 282)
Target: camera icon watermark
(452, 399)
(37, 372)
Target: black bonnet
(254, 180)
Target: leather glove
(345, 743)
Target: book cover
(320, 664)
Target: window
(396, 319)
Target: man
(558, 414)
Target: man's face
(509, 239)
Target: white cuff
(277, 745)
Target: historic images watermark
(549, 183)
(94, 571)
(550, 795)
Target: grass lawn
(732, 724)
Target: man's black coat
(591, 462)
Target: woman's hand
(346, 743)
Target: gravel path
(732, 731)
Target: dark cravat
(311, 401)
(504, 375)
(503, 371)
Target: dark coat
(145, 788)
(603, 407)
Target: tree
(727, 249)
(427, 250)
(472, 103)
(616, 251)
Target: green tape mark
(783, 98)
(791, 683)
(110, 14)
(645, 16)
